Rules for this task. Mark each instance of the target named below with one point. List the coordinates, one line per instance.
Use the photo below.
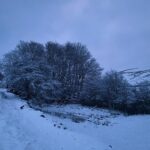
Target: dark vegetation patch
(62, 74)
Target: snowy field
(70, 127)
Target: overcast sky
(116, 32)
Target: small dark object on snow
(77, 119)
(110, 146)
(43, 116)
(65, 128)
(22, 107)
(106, 123)
(61, 124)
(58, 126)
(54, 125)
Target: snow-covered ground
(70, 127)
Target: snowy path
(25, 129)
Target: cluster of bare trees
(49, 72)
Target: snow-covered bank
(25, 129)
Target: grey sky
(117, 32)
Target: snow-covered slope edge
(25, 129)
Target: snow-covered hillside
(71, 127)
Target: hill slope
(26, 129)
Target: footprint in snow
(43, 116)
(22, 107)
